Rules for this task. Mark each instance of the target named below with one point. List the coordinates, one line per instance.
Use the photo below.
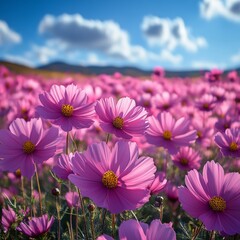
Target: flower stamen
(67, 110)
(28, 147)
(118, 123)
(109, 179)
(184, 161)
(217, 204)
(167, 135)
(233, 146)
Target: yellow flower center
(206, 106)
(233, 146)
(67, 110)
(199, 134)
(167, 135)
(109, 179)
(217, 204)
(184, 161)
(118, 122)
(28, 147)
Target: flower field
(120, 157)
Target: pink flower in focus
(114, 179)
(187, 159)
(213, 197)
(132, 229)
(229, 142)
(123, 119)
(66, 107)
(25, 144)
(36, 227)
(159, 183)
(63, 166)
(8, 218)
(165, 131)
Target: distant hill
(57, 69)
(131, 71)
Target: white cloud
(7, 35)
(229, 9)
(170, 57)
(170, 34)
(207, 65)
(75, 33)
(236, 58)
(43, 54)
(19, 60)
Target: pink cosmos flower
(25, 144)
(114, 179)
(158, 72)
(72, 199)
(229, 142)
(165, 131)
(36, 227)
(8, 218)
(213, 198)
(132, 229)
(187, 159)
(206, 103)
(66, 107)
(232, 76)
(63, 166)
(165, 100)
(123, 119)
(214, 75)
(159, 183)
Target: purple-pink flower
(63, 166)
(114, 179)
(229, 142)
(123, 119)
(72, 199)
(132, 229)
(159, 183)
(165, 131)
(8, 218)
(213, 197)
(26, 144)
(66, 107)
(187, 159)
(36, 227)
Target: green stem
(76, 223)
(59, 219)
(67, 141)
(103, 218)
(113, 225)
(196, 233)
(92, 226)
(161, 212)
(23, 193)
(108, 137)
(83, 211)
(71, 225)
(32, 199)
(212, 236)
(39, 189)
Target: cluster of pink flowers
(121, 142)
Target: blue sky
(188, 34)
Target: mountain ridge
(62, 67)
